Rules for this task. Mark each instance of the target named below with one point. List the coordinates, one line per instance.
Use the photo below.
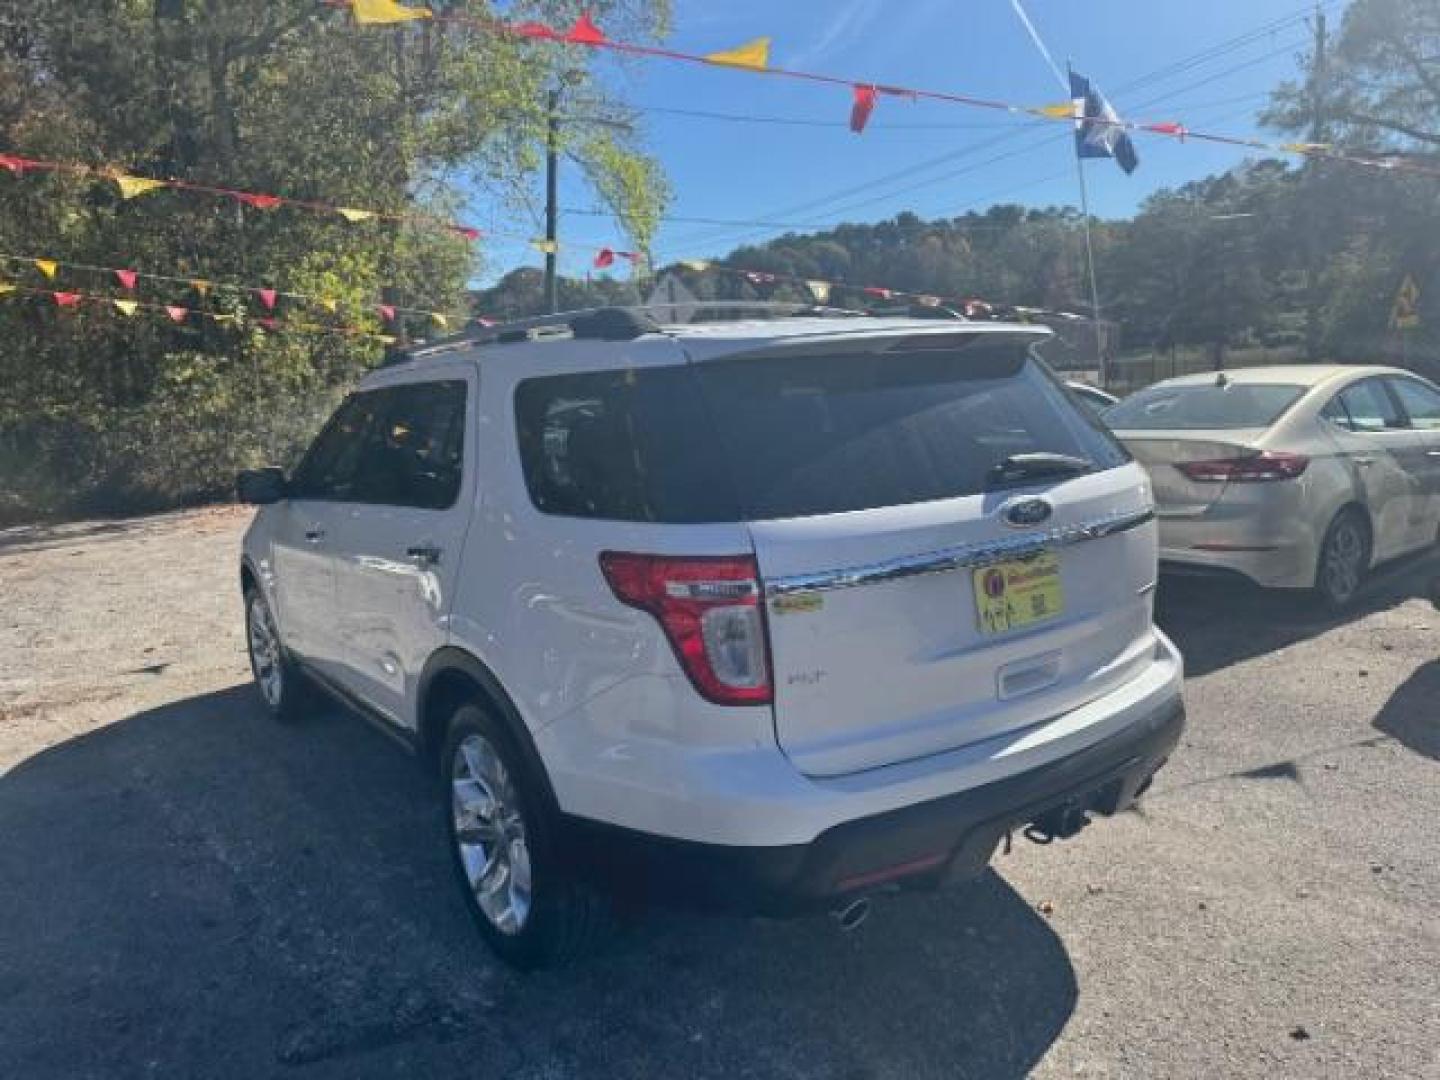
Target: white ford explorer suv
(766, 615)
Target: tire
(283, 688)
(527, 905)
(1344, 560)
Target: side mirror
(259, 487)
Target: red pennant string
(862, 108)
(585, 32)
(633, 256)
(177, 314)
(535, 30)
(66, 299)
(605, 257)
(126, 278)
(387, 310)
(468, 232)
(876, 290)
(267, 297)
(16, 165)
(260, 202)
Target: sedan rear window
(1203, 406)
(773, 436)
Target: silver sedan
(1297, 477)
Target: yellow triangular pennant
(6, 287)
(545, 247)
(440, 320)
(820, 290)
(1306, 147)
(385, 339)
(225, 318)
(753, 54)
(1058, 111)
(385, 11)
(201, 286)
(131, 186)
(351, 214)
(697, 265)
(47, 267)
(330, 304)
(126, 307)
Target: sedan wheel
(1344, 557)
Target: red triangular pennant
(862, 108)
(466, 231)
(585, 32)
(66, 299)
(387, 310)
(876, 290)
(260, 202)
(15, 164)
(177, 314)
(633, 256)
(605, 257)
(267, 297)
(1167, 128)
(126, 278)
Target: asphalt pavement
(189, 890)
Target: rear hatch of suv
(951, 549)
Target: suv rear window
(1203, 406)
(761, 437)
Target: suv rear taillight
(710, 609)
(1269, 465)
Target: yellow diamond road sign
(1405, 315)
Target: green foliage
(99, 412)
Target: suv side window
(329, 468)
(414, 452)
(1421, 402)
(1370, 408)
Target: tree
(98, 411)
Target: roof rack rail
(611, 324)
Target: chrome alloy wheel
(490, 834)
(1342, 562)
(265, 653)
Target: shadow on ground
(1222, 621)
(1412, 715)
(195, 891)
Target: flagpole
(1090, 259)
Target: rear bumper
(1264, 532)
(949, 837)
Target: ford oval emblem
(1024, 513)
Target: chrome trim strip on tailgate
(957, 558)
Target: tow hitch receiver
(1061, 823)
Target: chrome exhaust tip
(852, 916)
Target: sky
(1207, 65)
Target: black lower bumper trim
(951, 837)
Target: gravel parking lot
(188, 890)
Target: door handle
(423, 554)
(1432, 453)
(314, 535)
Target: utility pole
(552, 168)
(1319, 130)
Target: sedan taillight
(1267, 465)
(710, 609)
